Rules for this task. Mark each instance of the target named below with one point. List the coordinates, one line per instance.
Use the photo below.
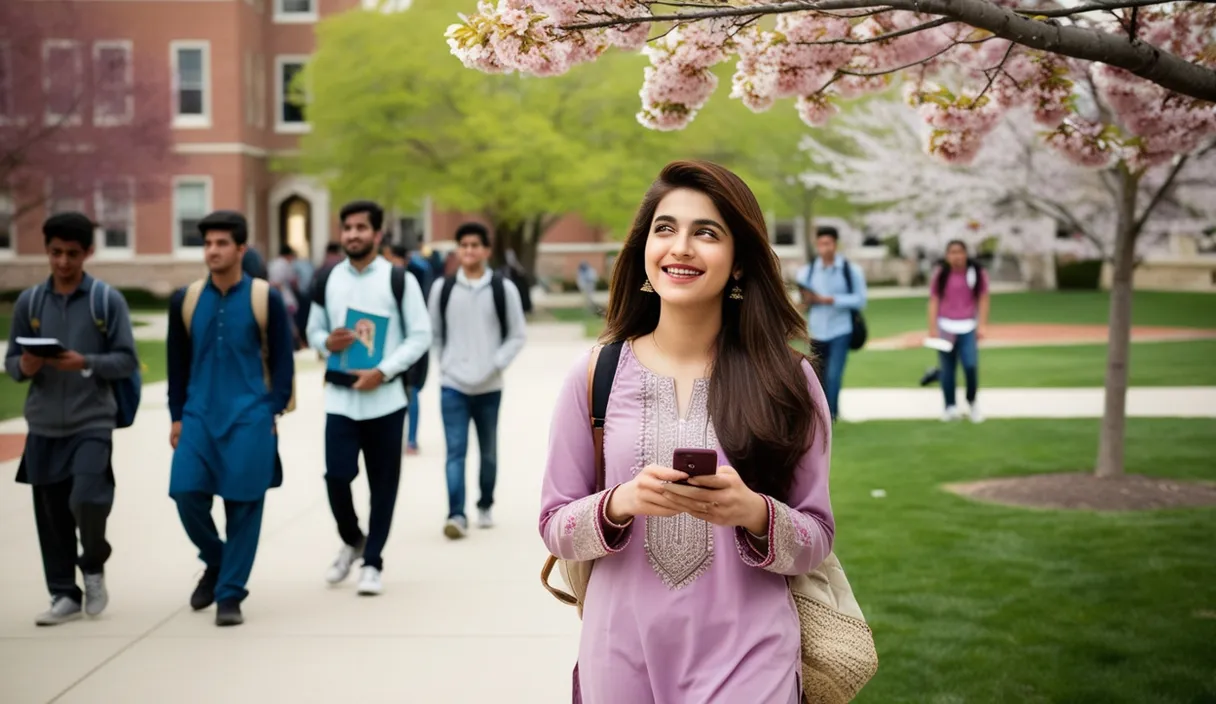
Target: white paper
(38, 342)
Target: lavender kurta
(678, 610)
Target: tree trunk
(507, 235)
(1114, 419)
(808, 230)
(530, 251)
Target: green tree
(395, 117)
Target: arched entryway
(296, 225)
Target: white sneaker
(976, 416)
(456, 527)
(63, 609)
(951, 414)
(341, 567)
(485, 519)
(369, 581)
(95, 595)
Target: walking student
(958, 312)
(479, 323)
(72, 411)
(833, 288)
(231, 374)
(365, 411)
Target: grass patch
(1152, 364)
(151, 354)
(973, 602)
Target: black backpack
(397, 277)
(860, 333)
(500, 304)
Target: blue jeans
(412, 436)
(458, 409)
(832, 355)
(966, 350)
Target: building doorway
(296, 225)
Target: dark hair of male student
(228, 221)
(827, 231)
(473, 228)
(375, 214)
(69, 227)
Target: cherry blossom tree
(76, 115)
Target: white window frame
(208, 183)
(282, 16)
(280, 96)
(101, 249)
(6, 198)
(6, 83)
(49, 117)
(103, 120)
(191, 121)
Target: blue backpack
(126, 391)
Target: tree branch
(882, 37)
(1179, 162)
(1090, 7)
(1167, 70)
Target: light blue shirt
(829, 321)
(371, 291)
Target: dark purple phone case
(695, 462)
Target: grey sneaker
(63, 609)
(485, 519)
(95, 595)
(340, 569)
(456, 527)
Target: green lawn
(151, 355)
(1153, 364)
(973, 602)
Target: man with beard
(365, 409)
(72, 412)
(231, 373)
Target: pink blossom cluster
(679, 80)
(1084, 143)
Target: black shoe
(931, 376)
(228, 613)
(204, 593)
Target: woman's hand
(643, 495)
(722, 499)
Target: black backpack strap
(848, 273)
(601, 389)
(500, 302)
(397, 277)
(318, 285)
(445, 295)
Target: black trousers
(379, 439)
(83, 503)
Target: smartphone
(694, 461)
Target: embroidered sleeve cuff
(757, 552)
(583, 532)
(614, 536)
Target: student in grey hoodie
(72, 412)
(478, 323)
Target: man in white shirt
(365, 409)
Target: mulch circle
(1088, 492)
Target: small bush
(1082, 275)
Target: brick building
(226, 66)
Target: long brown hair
(758, 397)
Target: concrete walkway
(458, 622)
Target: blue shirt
(829, 321)
(371, 291)
(215, 368)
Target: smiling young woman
(698, 609)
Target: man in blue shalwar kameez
(224, 403)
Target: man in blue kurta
(224, 400)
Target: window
(63, 198)
(62, 81)
(191, 80)
(8, 214)
(115, 208)
(785, 233)
(6, 82)
(287, 11)
(113, 101)
(290, 96)
(191, 203)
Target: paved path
(459, 622)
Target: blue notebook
(367, 351)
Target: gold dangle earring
(736, 293)
(647, 287)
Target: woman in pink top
(688, 600)
(958, 311)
